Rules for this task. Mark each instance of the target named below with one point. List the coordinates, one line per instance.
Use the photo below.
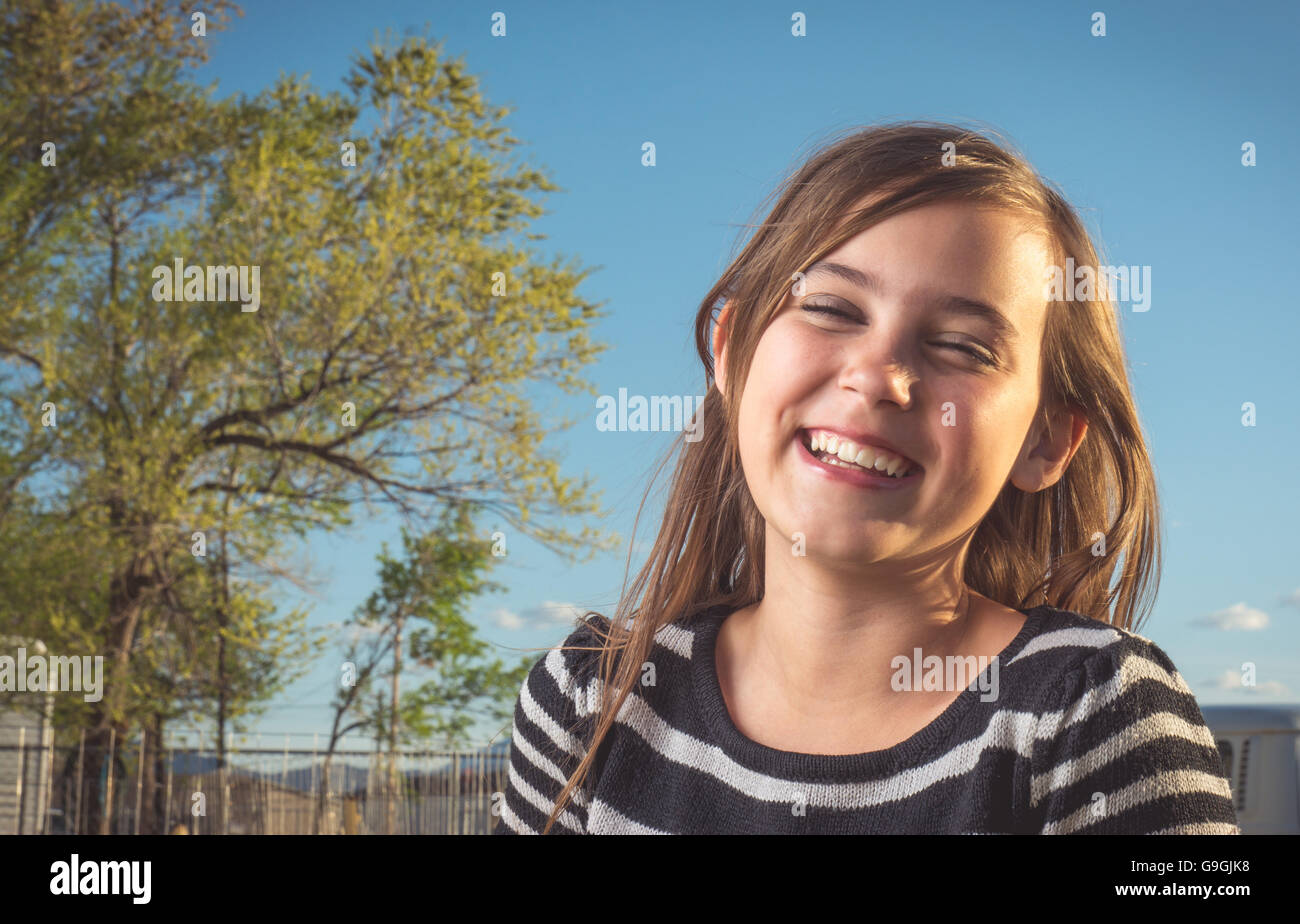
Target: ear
(1048, 449)
(720, 349)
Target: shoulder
(1062, 640)
(1093, 679)
(564, 682)
(567, 680)
(1120, 743)
(1083, 657)
(571, 670)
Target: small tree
(418, 612)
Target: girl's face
(892, 344)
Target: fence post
(480, 767)
(139, 779)
(106, 825)
(263, 791)
(167, 799)
(284, 783)
(22, 772)
(48, 798)
(81, 764)
(223, 780)
(315, 780)
(315, 798)
(198, 763)
(370, 781)
(453, 815)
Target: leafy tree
(398, 319)
(418, 612)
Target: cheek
(989, 445)
(782, 375)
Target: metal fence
(44, 789)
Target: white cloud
(1292, 599)
(1231, 680)
(1238, 617)
(551, 613)
(1270, 688)
(355, 632)
(507, 619)
(546, 615)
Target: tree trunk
(322, 822)
(126, 603)
(390, 822)
(154, 811)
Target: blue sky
(1142, 128)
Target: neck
(825, 637)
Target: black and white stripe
(1093, 731)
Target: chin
(843, 548)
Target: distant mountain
(347, 775)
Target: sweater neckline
(796, 765)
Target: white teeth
(863, 456)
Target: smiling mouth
(859, 459)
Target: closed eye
(814, 308)
(980, 355)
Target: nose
(879, 367)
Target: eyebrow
(950, 304)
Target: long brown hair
(1029, 548)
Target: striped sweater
(1093, 730)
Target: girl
(881, 597)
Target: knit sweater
(1092, 730)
